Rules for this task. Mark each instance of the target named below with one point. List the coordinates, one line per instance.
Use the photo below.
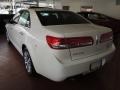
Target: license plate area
(96, 65)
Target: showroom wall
(108, 7)
(76, 4)
(57, 3)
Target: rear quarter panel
(42, 55)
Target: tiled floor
(14, 77)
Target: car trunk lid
(73, 33)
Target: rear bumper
(73, 68)
(57, 71)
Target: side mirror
(28, 24)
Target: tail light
(106, 37)
(65, 43)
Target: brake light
(65, 43)
(106, 37)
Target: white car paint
(58, 65)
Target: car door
(21, 28)
(10, 27)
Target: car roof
(44, 9)
(84, 12)
(88, 12)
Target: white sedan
(59, 44)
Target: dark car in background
(103, 20)
(4, 18)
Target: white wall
(76, 4)
(58, 4)
(104, 6)
(111, 8)
(108, 7)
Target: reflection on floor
(14, 77)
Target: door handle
(21, 33)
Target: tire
(28, 62)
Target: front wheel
(28, 62)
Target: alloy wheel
(28, 61)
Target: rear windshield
(59, 18)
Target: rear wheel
(28, 62)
